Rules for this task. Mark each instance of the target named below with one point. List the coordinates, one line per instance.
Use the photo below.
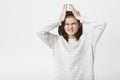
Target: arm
(47, 37)
(97, 25)
(44, 34)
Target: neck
(71, 37)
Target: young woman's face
(71, 26)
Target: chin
(71, 34)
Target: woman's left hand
(75, 12)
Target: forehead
(70, 19)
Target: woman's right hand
(62, 16)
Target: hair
(61, 29)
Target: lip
(71, 30)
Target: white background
(24, 57)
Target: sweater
(74, 60)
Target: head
(70, 27)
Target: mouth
(70, 30)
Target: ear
(80, 24)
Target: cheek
(76, 28)
(65, 27)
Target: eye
(67, 24)
(73, 23)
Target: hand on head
(69, 7)
(75, 12)
(62, 16)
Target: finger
(63, 13)
(79, 13)
(75, 12)
(73, 8)
(64, 9)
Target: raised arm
(47, 37)
(97, 24)
(44, 34)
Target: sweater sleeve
(97, 25)
(45, 35)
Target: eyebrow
(71, 23)
(74, 23)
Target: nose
(70, 26)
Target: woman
(74, 47)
